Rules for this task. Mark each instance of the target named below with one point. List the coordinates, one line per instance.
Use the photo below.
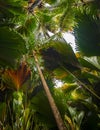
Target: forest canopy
(34, 55)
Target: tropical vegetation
(34, 55)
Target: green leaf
(12, 46)
(11, 7)
(87, 35)
(2, 112)
(30, 24)
(89, 75)
(59, 54)
(76, 115)
(67, 19)
(41, 106)
(94, 61)
(86, 63)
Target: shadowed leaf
(59, 54)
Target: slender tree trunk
(53, 106)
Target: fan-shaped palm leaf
(59, 54)
(87, 34)
(12, 46)
(16, 78)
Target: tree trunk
(53, 106)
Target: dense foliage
(39, 25)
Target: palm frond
(38, 102)
(16, 78)
(44, 113)
(12, 46)
(89, 63)
(87, 35)
(59, 54)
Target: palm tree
(24, 28)
(54, 108)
